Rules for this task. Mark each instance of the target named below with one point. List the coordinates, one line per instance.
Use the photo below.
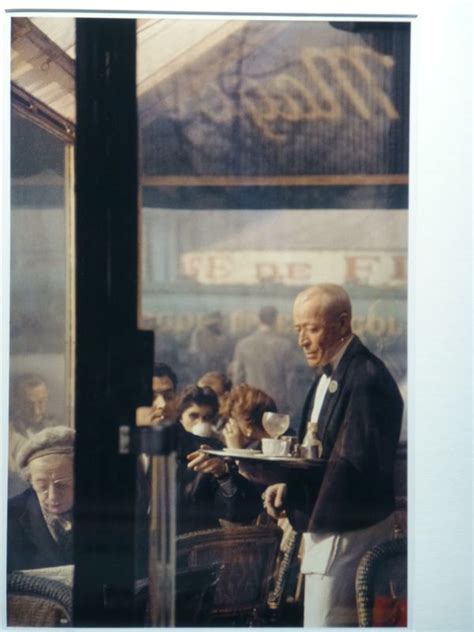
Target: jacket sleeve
(302, 492)
(237, 499)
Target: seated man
(40, 519)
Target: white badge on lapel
(333, 385)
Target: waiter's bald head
(332, 298)
(322, 320)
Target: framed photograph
(237, 259)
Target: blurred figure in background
(209, 347)
(29, 404)
(27, 416)
(40, 519)
(265, 359)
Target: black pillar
(113, 360)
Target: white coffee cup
(275, 447)
(202, 429)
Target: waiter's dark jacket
(359, 427)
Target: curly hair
(249, 401)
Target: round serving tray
(258, 457)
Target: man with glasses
(40, 519)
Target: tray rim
(266, 458)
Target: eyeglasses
(60, 485)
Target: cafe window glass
(274, 155)
(42, 244)
(39, 307)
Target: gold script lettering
(286, 98)
(295, 111)
(355, 56)
(261, 108)
(223, 109)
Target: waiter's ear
(344, 324)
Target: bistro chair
(246, 556)
(381, 585)
(285, 599)
(37, 601)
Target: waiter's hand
(274, 500)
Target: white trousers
(330, 565)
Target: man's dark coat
(29, 541)
(359, 427)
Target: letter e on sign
(299, 272)
(219, 267)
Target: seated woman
(198, 409)
(40, 519)
(208, 488)
(245, 407)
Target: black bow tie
(327, 369)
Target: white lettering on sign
(295, 267)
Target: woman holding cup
(245, 408)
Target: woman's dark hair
(200, 395)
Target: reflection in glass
(274, 156)
(38, 287)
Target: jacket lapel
(308, 403)
(335, 387)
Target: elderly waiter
(348, 507)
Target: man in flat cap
(40, 519)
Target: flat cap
(54, 440)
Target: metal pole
(159, 442)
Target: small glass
(275, 424)
(294, 446)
